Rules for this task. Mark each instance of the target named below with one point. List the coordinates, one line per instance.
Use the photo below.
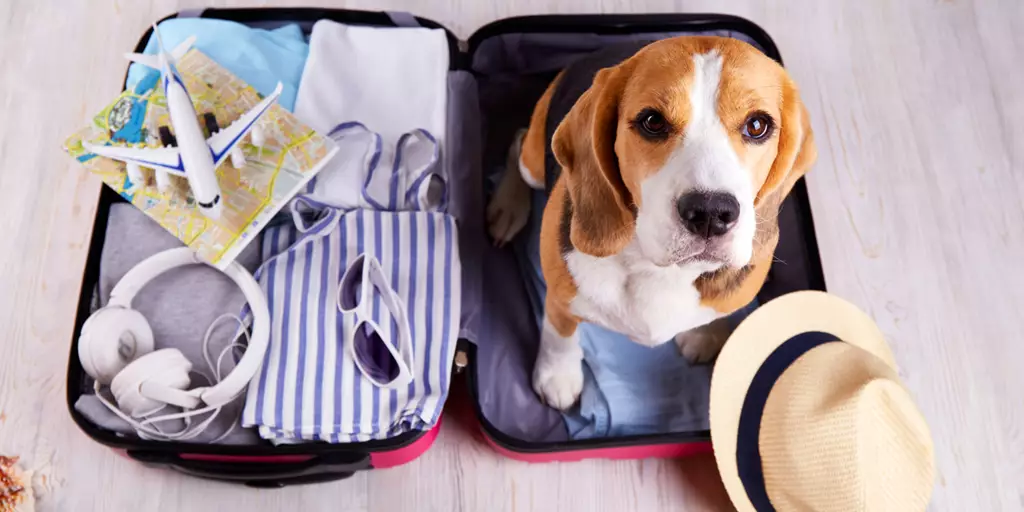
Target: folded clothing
(262, 58)
(392, 80)
(356, 177)
(180, 305)
(631, 389)
(309, 387)
(628, 388)
(396, 81)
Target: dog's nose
(708, 214)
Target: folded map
(292, 154)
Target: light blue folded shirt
(628, 388)
(261, 58)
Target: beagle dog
(665, 179)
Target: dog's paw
(509, 208)
(700, 345)
(558, 378)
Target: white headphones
(116, 348)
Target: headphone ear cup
(112, 338)
(166, 368)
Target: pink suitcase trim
(392, 458)
(660, 451)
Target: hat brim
(754, 340)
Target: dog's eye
(758, 127)
(651, 124)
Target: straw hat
(808, 413)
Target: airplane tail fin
(179, 51)
(153, 61)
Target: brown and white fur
(630, 264)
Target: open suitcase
(494, 79)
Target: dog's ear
(797, 151)
(584, 145)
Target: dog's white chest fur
(631, 296)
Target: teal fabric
(261, 58)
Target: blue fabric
(261, 58)
(628, 389)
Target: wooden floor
(917, 196)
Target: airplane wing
(166, 159)
(221, 142)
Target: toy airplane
(195, 157)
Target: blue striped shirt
(308, 387)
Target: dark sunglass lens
(374, 356)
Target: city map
(292, 155)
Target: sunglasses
(380, 359)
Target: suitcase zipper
(461, 360)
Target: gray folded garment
(180, 306)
